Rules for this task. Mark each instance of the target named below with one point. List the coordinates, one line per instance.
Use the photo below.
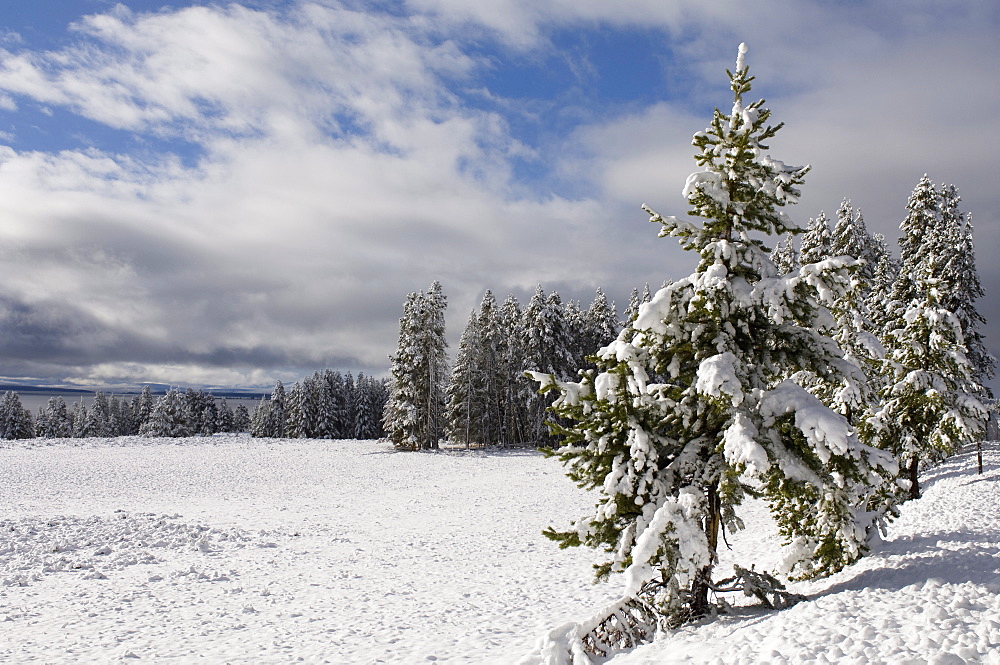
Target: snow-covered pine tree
(79, 418)
(400, 416)
(817, 242)
(42, 423)
(276, 414)
(885, 273)
(602, 323)
(961, 287)
(241, 418)
(225, 421)
(784, 256)
(688, 406)
(295, 415)
(338, 403)
(547, 345)
(578, 335)
(16, 422)
(632, 310)
(414, 415)
(376, 394)
(515, 390)
(854, 395)
(200, 411)
(464, 395)
(58, 424)
(168, 418)
(927, 410)
(260, 419)
(922, 243)
(142, 406)
(633, 304)
(99, 416)
(364, 413)
(350, 407)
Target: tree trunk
(914, 483)
(979, 455)
(702, 583)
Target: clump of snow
(675, 518)
(741, 448)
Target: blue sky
(227, 194)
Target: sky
(230, 194)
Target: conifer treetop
(741, 188)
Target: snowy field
(238, 550)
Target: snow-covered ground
(238, 550)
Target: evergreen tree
(784, 255)
(515, 391)
(296, 416)
(578, 335)
(241, 418)
(336, 408)
(476, 390)
(327, 416)
(58, 424)
(142, 406)
(885, 273)
(414, 415)
(200, 412)
(960, 286)
(350, 407)
(364, 410)
(922, 243)
(854, 393)
(632, 310)
(16, 422)
(261, 422)
(376, 394)
(41, 424)
(99, 417)
(276, 414)
(464, 394)
(851, 238)
(168, 417)
(688, 405)
(225, 422)
(602, 324)
(817, 241)
(547, 347)
(80, 419)
(927, 411)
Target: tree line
(326, 405)
(172, 414)
(484, 398)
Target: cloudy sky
(227, 194)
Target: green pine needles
(691, 409)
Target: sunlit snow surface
(238, 550)
(242, 550)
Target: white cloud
(340, 168)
